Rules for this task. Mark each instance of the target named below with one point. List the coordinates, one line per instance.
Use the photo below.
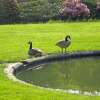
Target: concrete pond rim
(13, 68)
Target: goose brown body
(63, 44)
(34, 51)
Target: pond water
(82, 74)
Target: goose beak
(69, 37)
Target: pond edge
(13, 68)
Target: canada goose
(34, 51)
(63, 44)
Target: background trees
(40, 10)
(34, 10)
(98, 10)
(94, 6)
(2, 11)
(12, 11)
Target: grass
(13, 47)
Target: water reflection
(82, 74)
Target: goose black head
(67, 37)
(30, 42)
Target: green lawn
(13, 47)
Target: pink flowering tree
(75, 9)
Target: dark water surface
(82, 74)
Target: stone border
(14, 68)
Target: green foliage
(92, 7)
(12, 10)
(55, 6)
(2, 11)
(39, 10)
(92, 4)
(35, 10)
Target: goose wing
(63, 44)
(34, 51)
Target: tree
(40, 10)
(2, 11)
(92, 6)
(75, 9)
(98, 10)
(34, 10)
(55, 6)
(12, 10)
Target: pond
(81, 73)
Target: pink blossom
(75, 8)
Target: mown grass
(13, 47)
(14, 38)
